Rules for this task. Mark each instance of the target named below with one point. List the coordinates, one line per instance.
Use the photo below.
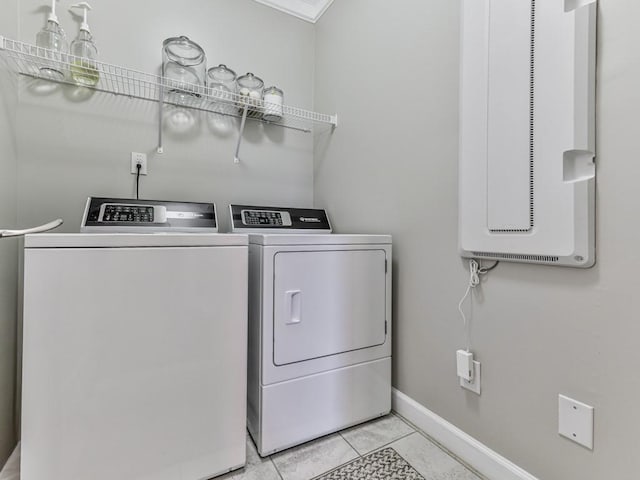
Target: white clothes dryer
(319, 326)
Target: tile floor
(325, 454)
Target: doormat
(384, 464)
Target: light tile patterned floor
(315, 458)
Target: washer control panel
(116, 215)
(121, 212)
(253, 219)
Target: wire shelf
(41, 63)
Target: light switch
(575, 421)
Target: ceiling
(309, 10)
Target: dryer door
(327, 302)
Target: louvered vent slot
(532, 92)
(514, 256)
(532, 98)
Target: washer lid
(119, 240)
(303, 239)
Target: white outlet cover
(575, 421)
(138, 157)
(473, 385)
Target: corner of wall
(8, 247)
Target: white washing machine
(319, 326)
(134, 351)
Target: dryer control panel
(254, 219)
(117, 215)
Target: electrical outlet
(575, 421)
(138, 158)
(474, 384)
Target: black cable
(488, 269)
(138, 166)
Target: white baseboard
(477, 455)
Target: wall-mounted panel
(527, 148)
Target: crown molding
(308, 10)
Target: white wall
(69, 150)
(8, 247)
(390, 70)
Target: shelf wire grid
(41, 63)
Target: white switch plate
(575, 421)
(473, 385)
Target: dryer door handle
(293, 305)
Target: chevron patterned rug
(384, 464)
